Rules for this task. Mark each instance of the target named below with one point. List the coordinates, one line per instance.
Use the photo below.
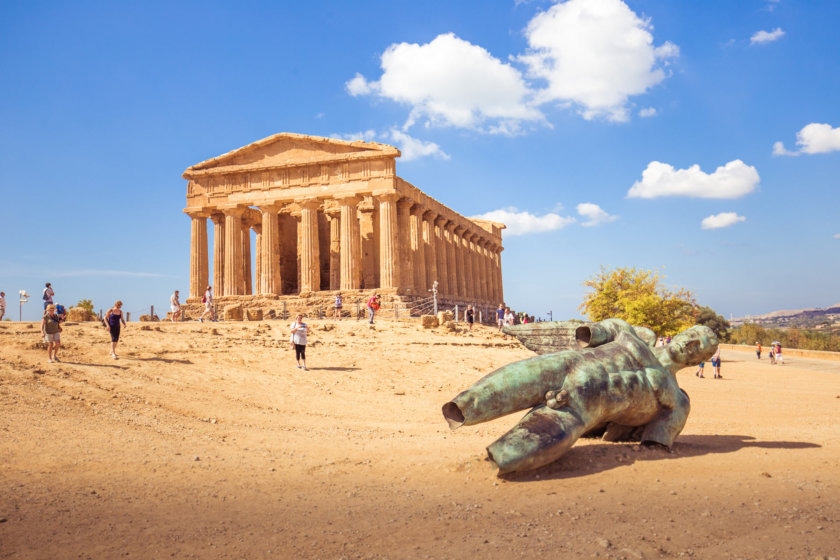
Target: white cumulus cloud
(733, 180)
(722, 220)
(366, 135)
(594, 214)
(762, 36)
(521, 223)
(449, 81)
(412, 148)
(647, 112)
(814, 138)
(594, 54)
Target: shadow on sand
(165, 360)
(591, 459)
(333, 369)
(115, 366)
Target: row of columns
(417, 247)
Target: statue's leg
(669, 422)
(541, 437)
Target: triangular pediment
(290, 150)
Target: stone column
(488, 274)
(481, 274)
(334, 216)
(310, 270)
(501, 291)
(366, 239)
(465, 259)
(418, 253)
(388, 241)
(406, 274)
(247, 284)
(351, 265)
(270, 277)
(451, 265)
(199, 270)
(257, 257)
(429, 247)
(440, 254)
(218, 254)
(234, 277)
(458, 249)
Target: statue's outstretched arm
(516, 386)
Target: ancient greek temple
(330, 215)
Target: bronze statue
(615, 385)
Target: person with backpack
(373, 306)
(470, 315)
(338, 306)
(207, 300)
(48, 295)
(51, 331)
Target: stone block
(78, 314)
(444, 316)
(428, 321)
(254, 314)
(232, 313)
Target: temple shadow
(599, 457)
(334, 368)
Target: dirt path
(204, 441)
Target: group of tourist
(56, 314)
(775, 353)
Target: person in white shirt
(175, 307)
(208, 305)
(48, 295)
(299, 330)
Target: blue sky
(698, 139)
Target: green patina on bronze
(614, 384)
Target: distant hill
(794, 317)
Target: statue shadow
(334, 369)
(599, 457)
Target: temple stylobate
(330, 215)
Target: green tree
(638, 297)
(708, 317)
(85, 304)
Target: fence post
(456, 313)
(358, 310)
(152, 313)
(396, 311)
(434, 295)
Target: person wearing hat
(51, 331)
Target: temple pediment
(290, 150)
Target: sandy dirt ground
(205, 441)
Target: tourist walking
(208, 305)
(716, 364)
(470, 315)
(758, 350)
(299, 330)
(772, 355)
(500, 316)
(373, 306)
(51, 331)
(113, 319)
(779, 358)
(338, 306)
(48, 295)
(2, 305)
(699, 372)
(175, 307)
